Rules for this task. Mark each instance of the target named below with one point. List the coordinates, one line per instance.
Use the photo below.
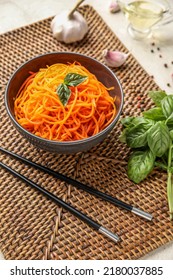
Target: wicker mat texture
(31, 226)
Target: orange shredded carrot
(38, 109)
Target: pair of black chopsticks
(77, 184)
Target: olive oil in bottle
(143, 14)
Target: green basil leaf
(64, 93)
(130, 122)
(157, 96)
(122, 137)
(142, 120)
(136, 136)
(127, 121)
(169, 121)
(159, 138)
(140, 164)
(167, 105)
(154, 114)
(73, 79)
(171, 134)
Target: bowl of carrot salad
(64, 102)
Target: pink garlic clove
(114, 58)
(114, 6)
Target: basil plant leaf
(159, 138)
(133, 121)
(122, 137)
(167, 105)
(157, 96)
(140, 164)
(64, 93)
(169, 120)
(73, 79)
(142, 120)
(136, 137)
(154, 114)
(127, 121)
(171, 134)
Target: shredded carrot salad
(39, 110)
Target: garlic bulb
(114, 6)
(69, 27)
(114, 58)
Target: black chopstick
(63, 204)
(82, 186)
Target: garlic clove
(114, 7)
(69, 29)
(114, 58)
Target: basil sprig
(63, 90)
(151, 138)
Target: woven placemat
(31, 226)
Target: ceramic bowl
(103, 74)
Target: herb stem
(75, 8)
(170, 183)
